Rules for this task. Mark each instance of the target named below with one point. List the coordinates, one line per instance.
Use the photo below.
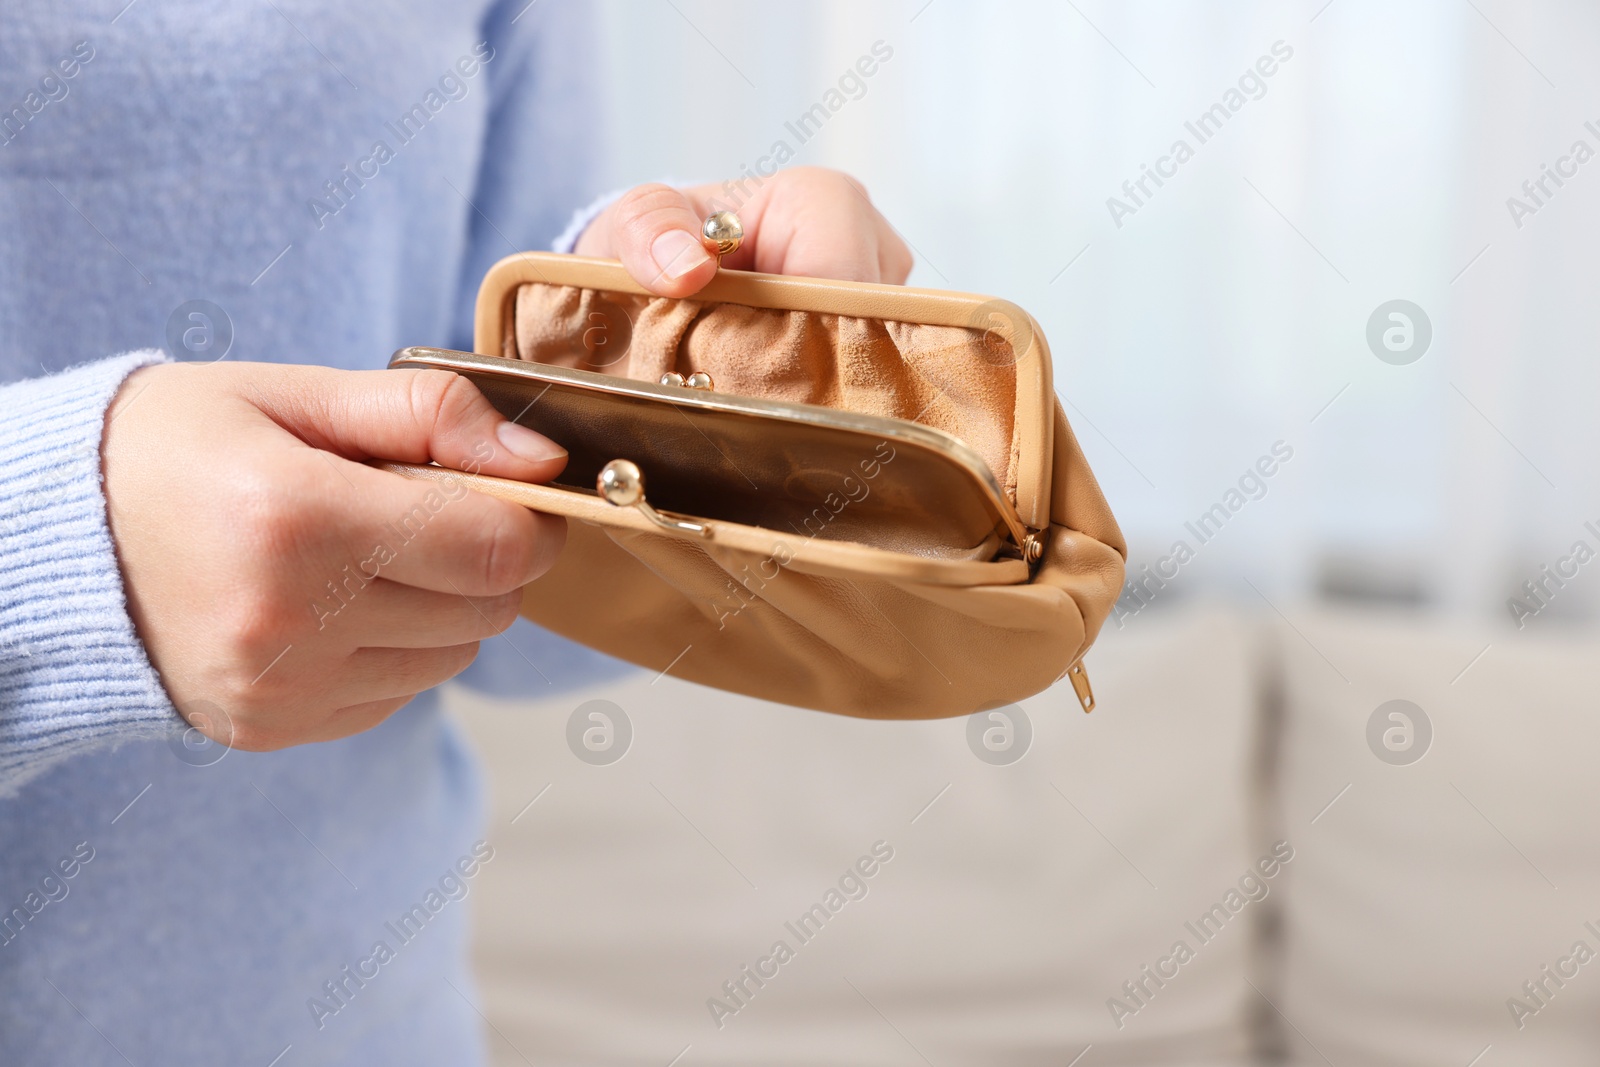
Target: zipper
(1080, 685)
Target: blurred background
(1231, 309)
(1440, 859)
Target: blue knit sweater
(162, 901)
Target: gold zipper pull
(1080, 685)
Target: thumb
(655, 231)
(409, 416)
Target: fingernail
(526, 444)
(677, 252)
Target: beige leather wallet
(858, 498)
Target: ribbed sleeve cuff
(580, 221)
(73, 673)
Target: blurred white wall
(1227, 313)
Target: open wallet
(859, 498)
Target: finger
(655, 231)
(374, 674)
(411, 416)
(436, 535)
(817, 223)
(386, 614)
(894, 257)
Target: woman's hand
(805, 220)
(285, 591)
(288, 593)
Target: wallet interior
(958, 380)
(790, 468)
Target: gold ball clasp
(722, 232)
(698, 380)
(621, 482)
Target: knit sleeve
(73, 673)
(541, 151)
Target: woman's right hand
(285, 591)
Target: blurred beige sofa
(1336, 900)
